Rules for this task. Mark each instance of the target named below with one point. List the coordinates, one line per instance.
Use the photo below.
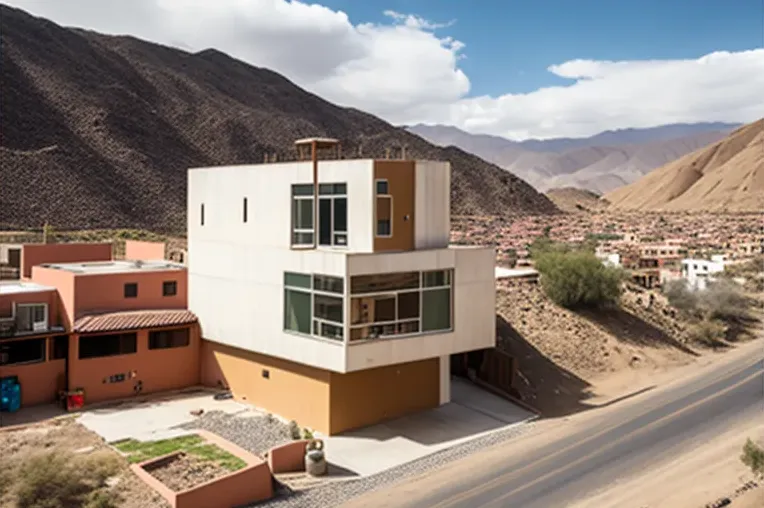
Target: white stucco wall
(236, 269)
(432, 215)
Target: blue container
(14, 404)
(10, 394)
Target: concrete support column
(445, 379)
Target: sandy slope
(728, 175)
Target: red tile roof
(133, 320)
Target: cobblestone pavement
(253, 432)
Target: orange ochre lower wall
(39, 382)
(157, 369)
(322, 400)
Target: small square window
(169, 288)
(382, 187)
(131, 290)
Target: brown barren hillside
(98, 131)
(570, 199)
(725, 176)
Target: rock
(196, 412)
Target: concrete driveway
(155, 418)
(472, 412)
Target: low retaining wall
(288, 458)
(248, 485)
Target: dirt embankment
(567, 359)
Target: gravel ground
(259, 433)
(254, 433)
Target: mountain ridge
(587, 163)
(101, 129)
(727, 176)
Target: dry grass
(59, 463)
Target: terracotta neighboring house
(327, 290)
(107, 327)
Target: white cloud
(407, 70)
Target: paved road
(627, 441)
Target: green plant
(138, 451)
(307, 433)
(214, 453)
(753, 457)
(576, 278)
(294, 430)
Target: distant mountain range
(727, 176)
(598, 163)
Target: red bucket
(75, 401)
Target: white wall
(432, 204)
(236, 269)
(698, 272)
(474, 316)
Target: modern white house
(698, 272)
(326, 288)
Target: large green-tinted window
(436, 309)
(297, 312)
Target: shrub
(681, 297)
(724, 300)
(574, 278)
(707, 332)
(753, 457)
(60, 480)
(294, 430)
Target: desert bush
(707, 332)
(58, 479)
(680, 296)
(753, 457)
(575, 278)
(724, 299)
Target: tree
(576, 278)
(753, 457)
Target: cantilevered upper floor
(357, 206)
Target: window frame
(170, 283)
(332, 192)
(121, 335)
(294, 197)
(377, 196)
(43, 350)
(152, 335)
(317, 324)
(34, 326)
(399, 322)
(125, 291)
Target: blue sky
(614, 63)
(510, 43)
